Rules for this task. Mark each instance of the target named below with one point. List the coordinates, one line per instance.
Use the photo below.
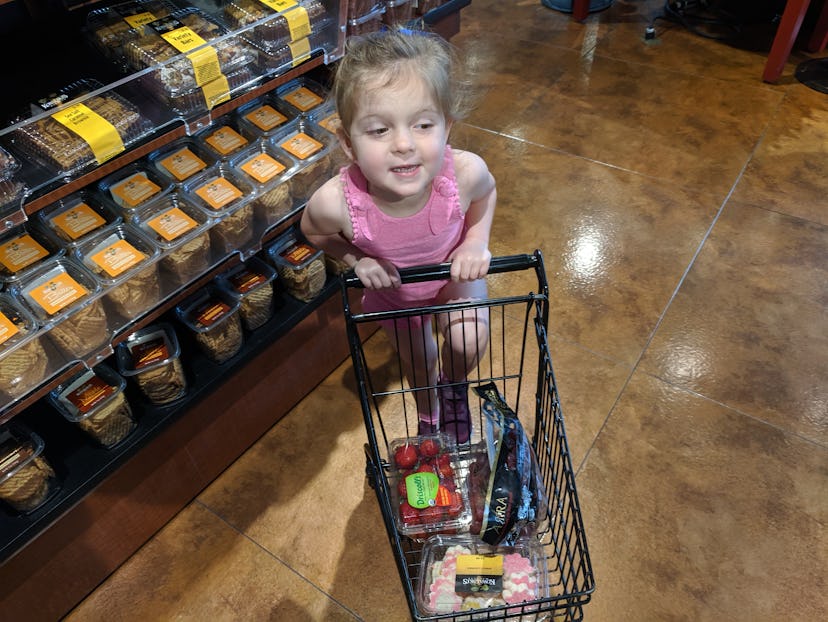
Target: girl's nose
(403, 141)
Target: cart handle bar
(442, 271)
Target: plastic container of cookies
(27, 479)
(398, 12)
(327, 119)
(303, 95)
(151, 358)
(109, 28)
(25, 361)
(223, 139)
(277, 60)
(48, 139)
(180, 60)
(368, 22)
(274, 29)
(426, 479)
(300, 266)
(227, 198)
(94, 400)
(263, 117)
(181, 160)
(268, 169)
(22, 250)
(461, 573)
(252, 284)
(124, 261)
(311, 146)
(133, 187)
(212, 317)
(11, 189)
(75, 218)
(65, 298)
(181, 232)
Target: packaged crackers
(94, 400)
(151, 357)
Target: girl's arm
(326, 225)
(470, 260)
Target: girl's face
(397, 138)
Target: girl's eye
(378, 131)
(424, 126)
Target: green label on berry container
(421, 489)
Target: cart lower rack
(514, 355)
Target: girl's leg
(465, 339)
(417, 348)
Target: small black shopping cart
(517, 360)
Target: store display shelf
(80, 465)
(11, 409)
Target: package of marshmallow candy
(462, 573)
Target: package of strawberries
(427, 491)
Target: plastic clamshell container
(174, 82)
(300, 266)
(358, 8)
(111, 27)
(64, 297)
(181, 160)
(263, 117)
(461, 573)
(22, 250)
(277, 60)
(398, 11)
(227, 198)
(212, 315)
(368, 22)
(94, 400)
(311, 146)
(11, 189)
(114, 125)
(252, 284)
(326, 118)
(275, 29)
(151, 357)
(268, 169)
(27, 480)
(223, 139)
(133, 187)
(303, 95)
(181, 231)
(426, 486)
(75, 218)
(123, 260)
(24, 361)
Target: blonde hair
(381, 58)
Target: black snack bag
(506, 491)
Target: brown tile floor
(681, 206)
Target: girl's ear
(345, 143)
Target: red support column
(784, 39)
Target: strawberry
(429, 447)
(405, 456)
(401, 489)
(432, 514)
(410, 515)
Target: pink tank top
(427, 237)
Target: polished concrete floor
(680, 203)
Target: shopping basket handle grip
(442, 271)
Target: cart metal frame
(382, 389)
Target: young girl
(409, 199)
